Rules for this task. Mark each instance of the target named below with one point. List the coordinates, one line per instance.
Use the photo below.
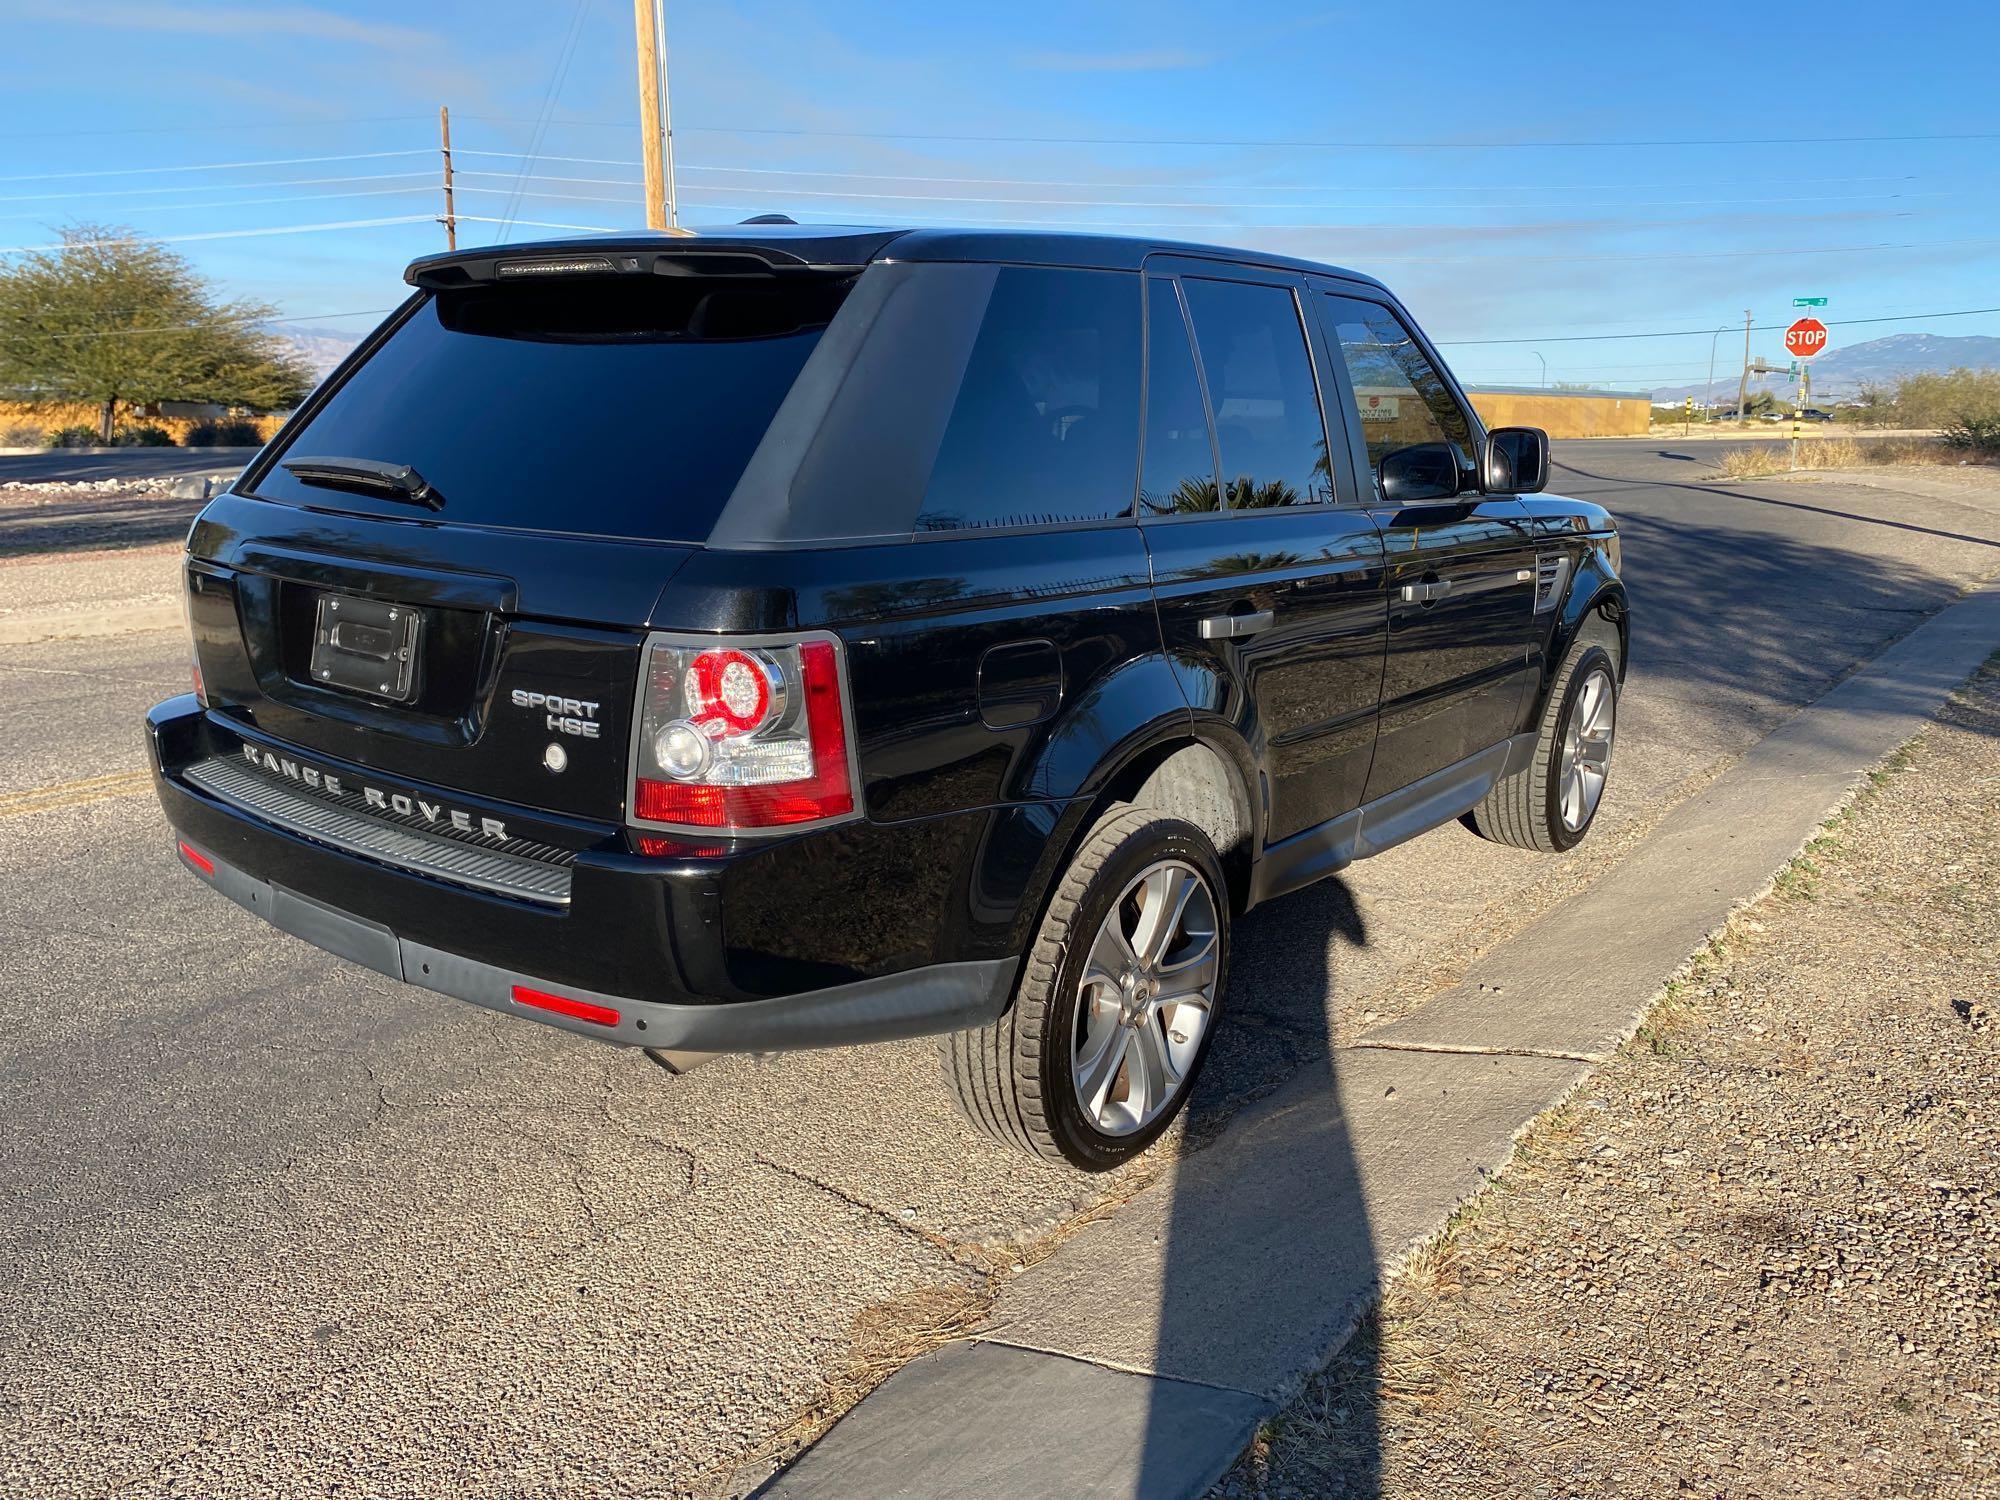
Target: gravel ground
(1759, 1254)
(41, 519)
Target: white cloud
(236, 23)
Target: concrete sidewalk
(1138, 1359)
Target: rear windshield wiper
(392, 481)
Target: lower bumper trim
(917, 1002)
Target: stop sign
(1805, 338)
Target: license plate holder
(366, 646)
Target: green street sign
(1809, 302)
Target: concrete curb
(1248, 1266)
(91, 452)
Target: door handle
(1426, 593)
(1233, 627)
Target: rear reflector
(562, 1005)
(196, 858)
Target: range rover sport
(798, 636)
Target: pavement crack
(1471, 1050)
(974, 1257)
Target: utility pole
(450, 219)
(1708, 391)
(1743, 385)
(655, 130)
(666, 119)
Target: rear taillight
(194, 654)
(741, 735)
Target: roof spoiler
(605, 256)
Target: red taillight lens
(196, 858)
(742, 738)
(562, 1005)
(732, 688)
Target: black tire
(1524, 810)
(1014, 1079)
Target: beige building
(1565, 414)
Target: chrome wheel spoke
(1191, 978)
(1111, 955)
(1094, 1079)
(1154, 1079)
(1165, 897)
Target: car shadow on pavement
(1268, 1249)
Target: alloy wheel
(1586, 749)
(1145, 998)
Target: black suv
(786, 637)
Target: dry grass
(1837, 453)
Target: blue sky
(1485, 160)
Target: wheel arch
(1595, 591)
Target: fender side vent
(1551, 573)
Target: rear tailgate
(480, 632)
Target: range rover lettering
(799, 636)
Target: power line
(544, 224)
(563, 59)
(258, 126)
(1253, 187)
(613, 161)
(1583, 338)
(1245, 142)
(210, 187)
(1102, 224)
(848, 194)
(211, 166)
(155, 208)
(228, 234)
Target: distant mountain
(321, 348)
(1842, 373)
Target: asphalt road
(59, 465)
(267, 1221)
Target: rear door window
(614, 407)
(1263, 392)
(1179, 475)
(1045, 429)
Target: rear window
(609, 407)
(1045, 429)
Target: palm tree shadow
(1268, 1245)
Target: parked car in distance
(789, 637)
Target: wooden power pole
(652, 107)
(450, 220)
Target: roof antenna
(772, 219)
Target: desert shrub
(1946, 398)
(225, 432)
(24, 435)
(144, 435)
(1977, 435)
(78, 436)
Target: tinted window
(1179, 470)
(1260, 383)
(613, 407)
(1399, 395)
(1046, 424)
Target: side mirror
(1515, 461)
(1422, 471)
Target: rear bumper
(642, 953)
(916, 1002)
